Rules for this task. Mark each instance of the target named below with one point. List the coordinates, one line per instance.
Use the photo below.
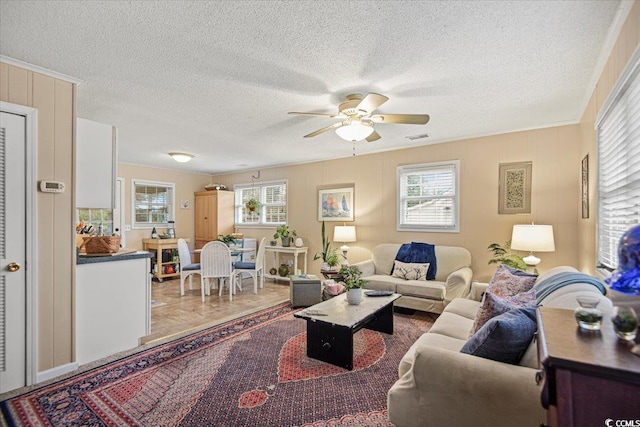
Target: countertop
(83, 259)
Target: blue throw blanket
(419, 253)
(557, 281)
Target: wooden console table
(589, 377)
(277, 250)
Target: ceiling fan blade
(373, 137)
(323, 130)
(409, 119)
(371, 102)
(313, 114)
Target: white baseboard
(56, 372)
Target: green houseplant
(285, 234)
(353, 283)
(503, 255)
(253, 205)
(227, 239)
(329, 256)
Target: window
(101, 219)
(272, 198)
(428, 197)
(618, 133)
(152, 203)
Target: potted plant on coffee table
(330, 260)
(353, 283)
(285, 234)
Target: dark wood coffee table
(330, 337)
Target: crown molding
(40, 70)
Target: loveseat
(440, 386)
(452, 280)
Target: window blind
(153, 203)
(428, 197)
(618, 133)
(273, 203)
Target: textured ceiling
(217, 79)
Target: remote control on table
(314, 312)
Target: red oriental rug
(252, 371)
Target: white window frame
(402, 198)
(171, 203)
(623, 114)
(239, 204)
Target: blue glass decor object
(626, 278)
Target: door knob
(13, 267)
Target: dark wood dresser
(589, 376)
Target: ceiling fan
(356, 119)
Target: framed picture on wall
(514, 188)
(336, 204)
(585, 187)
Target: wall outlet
(127, 227)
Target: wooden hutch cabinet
(214, 215)
(590, 378)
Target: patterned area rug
(252, 371)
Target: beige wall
(54, 100)
(186, 185)
(555, 194)
(627, 43)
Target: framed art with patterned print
(514, 188)
(585, 187)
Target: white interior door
(13, 246)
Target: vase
(625, 322)
(286, 242)
(298, 242)
(283, 271)
(354, 296)
(587, 315)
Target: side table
(589, 376)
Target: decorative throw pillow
(410, 271)
(493, 305)
(507, 281)
(504, 338)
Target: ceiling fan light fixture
(181, 157)
(355, 131)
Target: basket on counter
(101, 244)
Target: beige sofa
(453, 277)
(439, 386)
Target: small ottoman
(305, 291)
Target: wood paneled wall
(628, 41)
(555, 193)
(54, 100)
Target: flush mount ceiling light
(181, 157)
(354, 130)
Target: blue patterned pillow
(504, 338)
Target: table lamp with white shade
(532, 238)
(345, 234)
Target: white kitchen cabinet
(96, 162)
(113, 305)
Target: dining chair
(215, 263)
(187, 268)
(254, 269)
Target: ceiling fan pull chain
(354, 148)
